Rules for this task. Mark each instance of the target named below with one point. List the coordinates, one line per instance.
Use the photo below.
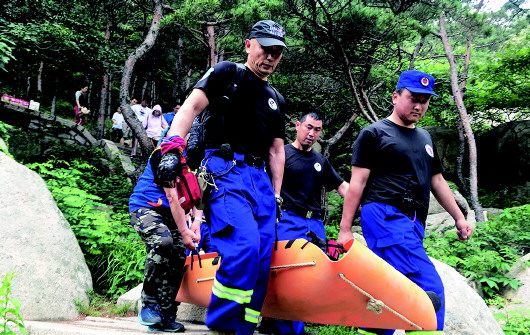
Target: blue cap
(268, 33)
(416, 82)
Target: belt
(305, 213)
(252, 161)
(248, 159)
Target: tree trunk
(416, 52)
(103, 106)
(52, 109)
(104, 91)
(39, 81)
(211, 45)
(177, 83)
(142, 49)
(464, 118)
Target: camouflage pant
(164, 265)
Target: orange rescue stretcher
(360, 289)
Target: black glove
(169, 169)
(279, 202)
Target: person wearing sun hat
(243, 139)
(395, 166)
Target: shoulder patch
(272, 104)
(429, 150)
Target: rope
(376, 306)
(205, 279)
(313, 263)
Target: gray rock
(519, 298)
(186, 312)
(38, 244)
(436, 208)
(466, 312)
(443, 222)
(133, 298)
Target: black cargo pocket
(393, 250)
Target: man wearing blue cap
(244, 138)
(395, 166)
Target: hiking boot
(150, 315)
(267, 326)
(174, 327)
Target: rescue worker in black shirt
(395, 167)
(244, 139)
(305, 173)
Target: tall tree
(464, 119)
(138, 53)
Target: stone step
(91, 325)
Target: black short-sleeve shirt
(304, 175)
(401, 160)
(252, 117)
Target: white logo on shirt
(318, 167)
(429, 150)
(272, 104)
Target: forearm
(351, 204)
(176, 210)
(442, 192)
(276, 164)
(352, 200)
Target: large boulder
(520, 298)
(38, 243)
(466, 313)
(436, 208)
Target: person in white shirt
(141, 111)
(117, 127)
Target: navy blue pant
(242, 216)
(398, 240)
(290, 227)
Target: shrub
(9, 308)
(490, 253)
(4, 135)
(113, 250)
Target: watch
(279, 199)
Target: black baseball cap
(268, 33)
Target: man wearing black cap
(244, 138)
(395, 166)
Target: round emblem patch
(318, 167)
(425, 81)
(272, 104)
(429, 150)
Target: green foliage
(490, 253)
(330, 329)
(99, 305)
(514, 322)
(503, 198)
(9, 308)
(4, 135)
(112, 249)
(6, 52)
